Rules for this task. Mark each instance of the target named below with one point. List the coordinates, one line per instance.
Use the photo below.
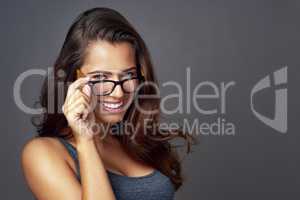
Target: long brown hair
(152, 147)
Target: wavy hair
(151, 145)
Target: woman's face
(107, 61)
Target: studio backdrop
(228, 70)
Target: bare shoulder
(46, 169)
(39, 153)
(45, 150)
(40, 142)
(39, 147)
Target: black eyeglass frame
(91, 83)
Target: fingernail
(86, 89)
(84, 116)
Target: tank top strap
(73, 152)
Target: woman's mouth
(113, 107)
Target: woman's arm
(47, 173)
(94, 179)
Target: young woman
(85, 151)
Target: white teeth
(113, 105)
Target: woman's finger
(77, 102)
(74, 107)
(77, 85)
(77, 112)
(79, 82)
(74, 97)
(70, 110)
(87, 90)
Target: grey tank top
(154, 186)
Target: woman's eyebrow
(108, 72)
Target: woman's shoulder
(43, 149)
(44, 145)
(45, 165)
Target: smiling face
(107, 61)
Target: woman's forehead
(106, 56)
(110, 70)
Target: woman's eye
(129, 75)
(99, 77)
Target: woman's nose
(117, 92)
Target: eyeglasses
(106, 87)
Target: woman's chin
(109, 114)
(109, 118)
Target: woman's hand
(78, 110)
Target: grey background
(240, 41)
